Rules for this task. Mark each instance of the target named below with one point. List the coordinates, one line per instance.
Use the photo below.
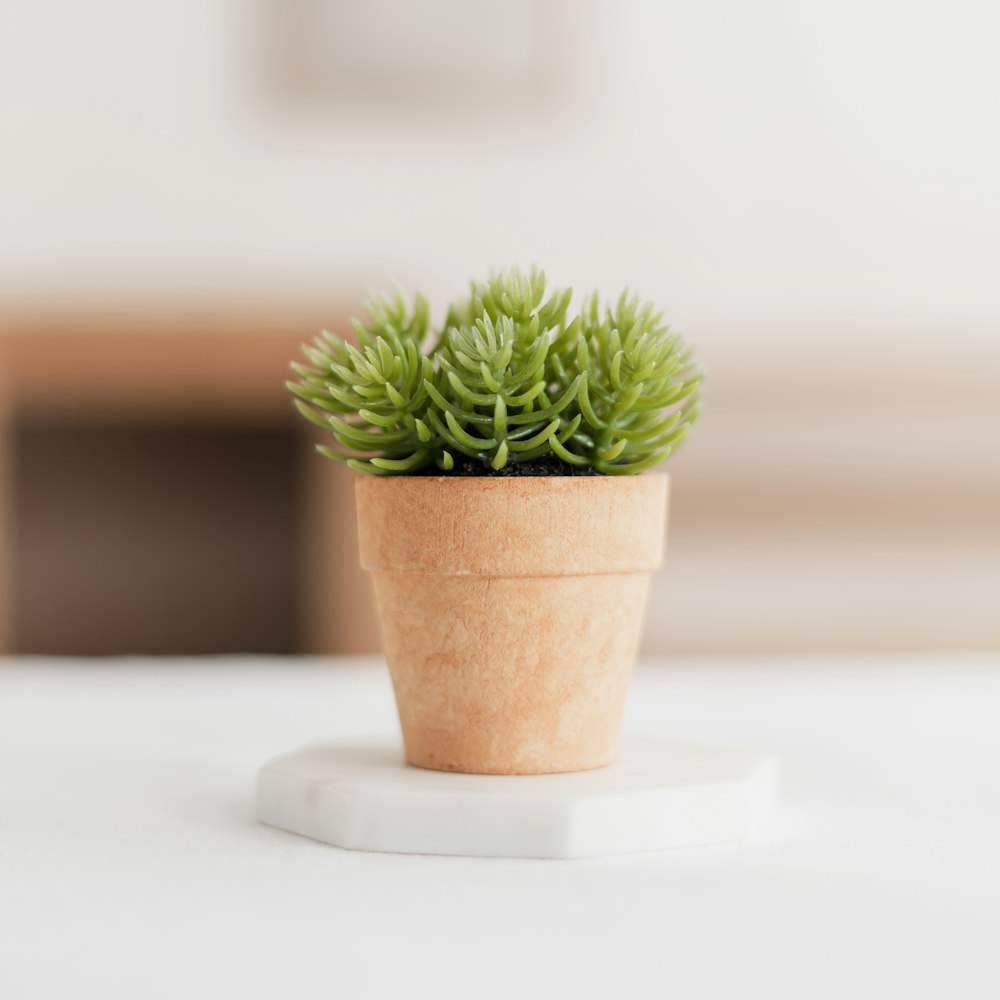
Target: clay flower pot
(511, 611)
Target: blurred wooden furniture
(840, 493)
(197, 368)
(823, 504)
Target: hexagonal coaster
(657, 795)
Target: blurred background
(190, 189)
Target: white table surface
(131, 864)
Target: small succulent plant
(511, 378)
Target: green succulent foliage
(510, 378)
(372, 397)
(641, 390)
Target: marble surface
(657, 795)
(132, 863)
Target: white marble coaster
(657, 795)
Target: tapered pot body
(511, 610)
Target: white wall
(790, 164)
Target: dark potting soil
(549, 465)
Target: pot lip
(494, 482)
(512, 526)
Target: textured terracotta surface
(511, 611)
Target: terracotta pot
(511, 611)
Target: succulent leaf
(511, 377)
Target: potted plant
(508, 536)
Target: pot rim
(511, 525)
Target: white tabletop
(131, 864)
